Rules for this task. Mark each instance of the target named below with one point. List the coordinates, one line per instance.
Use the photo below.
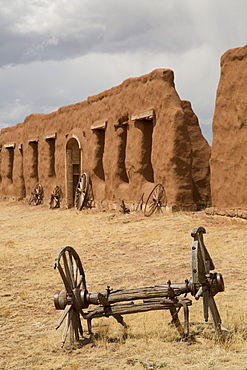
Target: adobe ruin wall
(130, 138)
(229, 147)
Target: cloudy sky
(59, 52)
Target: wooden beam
(33, 140)
(9, 146)
(52, 136)
(99, 125)
(144, 115)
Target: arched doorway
(73, 168)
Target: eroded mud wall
(229, 147)
(130, 138)
(12, 181)
(201, 153)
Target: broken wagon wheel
(140, 203)
(56, 196)
(37, 195)
(155, 200)
(81, 191)
(202, 264)
(70, 268)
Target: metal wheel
(155, 200)
(81, 191)
(202, 264)
(70, 268)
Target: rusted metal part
(120, 302)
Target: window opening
(10, 163)
(121, 141)
(98, 167)
(21, 176)
(34, 160)
(144, 151)
(51, 157)
(73, 164)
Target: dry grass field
(123, 251)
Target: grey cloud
(57, 52)
(107, 27)
(72, 29)
(23, 49)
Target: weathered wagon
(75, 298)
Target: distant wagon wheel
(56, 196)
(81, 191)
(155, 200)
(70, 268)
(37, 195)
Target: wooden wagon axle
(127, 301)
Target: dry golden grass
(122, 251)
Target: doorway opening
(10, 163)
(73, 168)
(34, 154)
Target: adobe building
(229, 147)
(127, 139)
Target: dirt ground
(123, 251)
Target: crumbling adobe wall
(131, 137)
(201, 153)
(229, 147)
(11, 170)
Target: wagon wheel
(202, 264)
(155, 200)
(37, 195)
(56, 196)
(81, 191)
(70, 268)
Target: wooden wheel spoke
(71, 269)
(156, 195)
(67, 270)
(81, 191)
(76, 325)
(159, 209)
(66, 282)
(65, 312)
(154, 200)
(72, 326)
(80, 325)
(152, 206)
(160, 196)
(79, 282)
(66, 328)
(75, 272)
